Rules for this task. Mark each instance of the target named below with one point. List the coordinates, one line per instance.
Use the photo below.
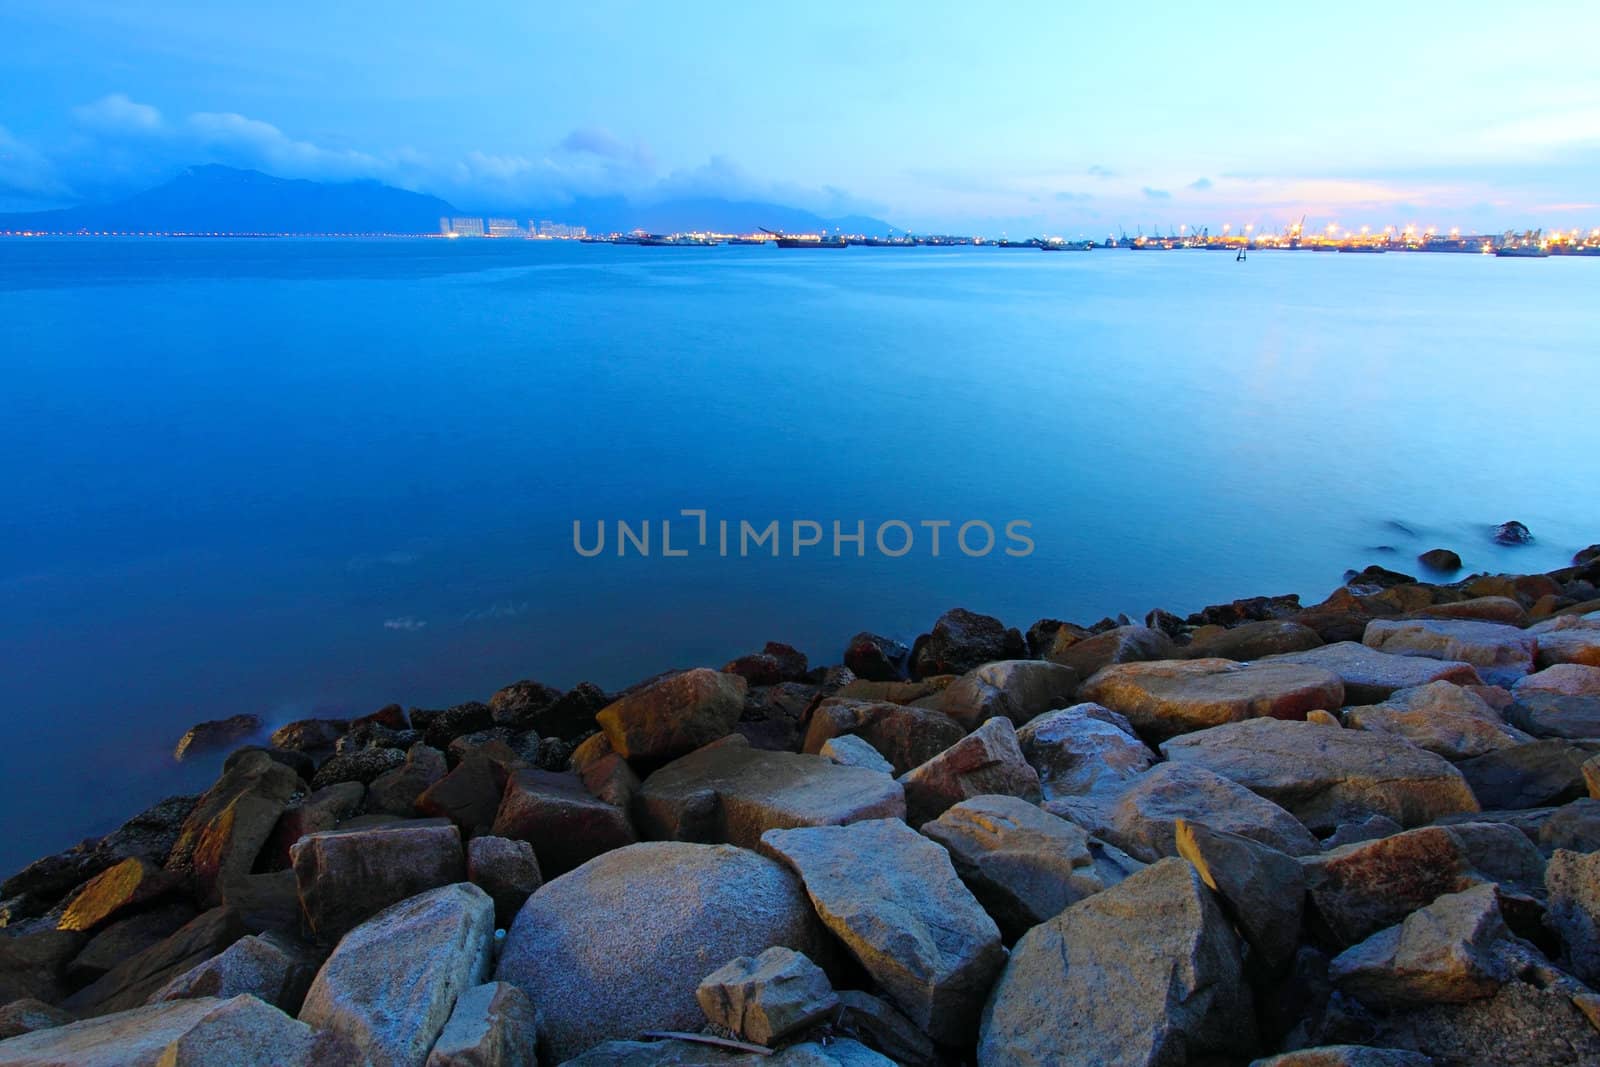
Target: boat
(885, 242)
(749, 240)
(1522, 252)
(806, 240)
(1032, 242)
(1066, 246)
(1370, 249)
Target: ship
(1032, 242)
(806, 240)
(1066, 246)
(1527, 245)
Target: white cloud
(116, 114)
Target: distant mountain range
(217, 199)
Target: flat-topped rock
(906, 736)
(893, 898)
(1532, 775)
(1567, 679)
(1448, 951)
(1501, 653)
(1083, 750)
(988, 760)
(852, 751)
(1440, 717)
(730, 792)
(1501, 609)
(1544, 713)
(1254, 640)
(345, 877)
(566, 824)
(1580, 645)
(673, 715)
(1326, 776)
(1164, 698)
(1370, 676)
(1017, 689)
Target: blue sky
(1048, 116)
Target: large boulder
(1370, 676)
(1566, 679)
(1124, 644)
(1501, 609)
(344, 877)
(1532, 775)
(505, 869)
(565, 823)
(1017, 689)
(876, 658)
(469, 795)
(1254, 640)
(673, 715)
(619, 945)
(962, 640)
(131, 982)
(1359, 889)
(894, 899)
(324, 809)
(395, 792)
(1500, 653)
(988, 760)
(906, 736)
(767, 997)
(271, 968)
(1573, 882)
(1262, 890)
(1169, 697)
(493, 1025)
(28, 1015)
(392, 982)
(730, 792)
(130, 884)
(1442, 718)
(1448, 951)
(1579, 645)
(1547, 714)
(1326, 776)
(1024, 865)
(227, 829)
(1083, 750)
(1146, 973)
(216, 734)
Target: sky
(1055, 117)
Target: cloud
(1155, 194)
(1072, 198)
(593, 141)
(507, 609)
(1200, 184)
(255, 142)
(27, 174)
(1097, 171)
(405, 624)
(116, 114)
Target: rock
(1440, 559)
(345, 877)
(774, 715)
(609, 778)
(876, 658)
(564, 823)
(392, 983)
(1440, 717)
(1566, 679)
(395, 792)
(1250, 609)
(468, 796)
(988, 760)
(519, 704)
(768, 997)
(149, 834)
(129, 884)
(298, 762)
(1326, 777)
(362, 766)
(33, 956)
(1024, 865)
(962, 640)
(1147, 972)
(1262, 890)
(1368, 829)
(1500, 653)
(1124, 644)
(28, 1015)
(1555, 715)
(841, 1052)
(1255, 640)
(216, 734)
(1083, 750)
(1531, 775)
(1347, 1056)
(441, 729)
(1170, 697)
(881, 1026)
(127, 937)
(1016, 689)
(493, 1025)
(1512, 533)
(240, 1032)
(1576, 645)
(274, 969)
(688, 909)
(673, 715)
(1574, 826)
(894, 899)
(1374, 579)
(1573, 882)
(228, 828)
(505, 869)
(848, 750)
(131, 982)
(1318, 717)
(323, 810)
(1502, 854)
(906, 736)
(730, 792)
(1591, 776)
(774, 664)
(1484, 608)
(266, 902)
(1359, 889)
(1444, 952)
(571, 716)
(1143, 819)
(309, 735)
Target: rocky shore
(1359, 832)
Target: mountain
(216, 199)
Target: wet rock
(1016, 690)
(768, 997)
(493, 1025)
(216, 734)
(848, 750)
(673, 715)
(505, 869)
(689, 908)
(1531, 775)
(28, 1015)
(988, 760)
(392, 983)
(1262, 890)
(309, 735)
(274, 969)
(130, 884)
(566, 825)
(1083, 750)
(1564, 679)
(1500, 653)
(730, 792)
(894, 899)
(1024, 865)
(345, 877)
(1255, 640)
(1170, 697)
(1441, 718)
(1123, 644)
(1074, 994)
(1512, 533)
(876, 658)
(1573, 882)
(906, 736)
(131, 982)
(1359, 889)
(1442, 560)
(361, 766)
(1326, 777)
(232, 822)
(962, 640)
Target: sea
(297, 478)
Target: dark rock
(876, 658)
(1263, 890)
(1375, 579)
(232, 823)
(1254, 640)
(275, 969)
(130, 884)
(309, 735)
(149, 835)
(345, 877)
(1042, 634)
(565, 824)
(906, 736)
(362, 766)
(1440, 559)
(505, 869)
(468, 796)
(571, 715)
(1586, 556)
(1251, 609)
(1122, 644)
(1016, 689)
(879, 1025)
(395, 792)
(774, 715)
(987, 761)
(298, 762)
(130, 983)
(518, 704)
(322, 810)
(1166, 622)
(27, 1015)
(1359, 889)
(775, 663)
(216, 734)
(390, 716)
(127, 937)
(1532, 775)
(1512, 533)
(373, 735)
(962, 640)
(674, 714)
(455, 721)
(1544, 713)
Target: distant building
(505, 228)
(462, 227)
(546, 228)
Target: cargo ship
(806, 240)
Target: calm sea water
(289, 477)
